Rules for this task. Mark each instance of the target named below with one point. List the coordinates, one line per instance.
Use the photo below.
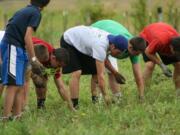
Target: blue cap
(119, 41)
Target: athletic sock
(94, 99)
(41, 103)
(75, 102)
(116, 97)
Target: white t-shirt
(1, 35)
(88, 40)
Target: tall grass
(142, 14)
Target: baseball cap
(119, 41)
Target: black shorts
(78, 60)
(165, 59)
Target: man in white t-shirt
(88, 48)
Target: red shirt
(47, 64)
(158, 36)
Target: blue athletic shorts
(14, 64)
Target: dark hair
(62, 55)
(138, 44)
(41, 52)
(175, 42)
(40, 3)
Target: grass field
(158, 115)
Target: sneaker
(117, 97)
(95, 99)
(5, 119)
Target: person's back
(158, 36)
(116, 28)
(17, 25)
(96, 45)
(112, 27)
(156, 30)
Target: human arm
(29, 42)
(36, 65)
(63, 92)
(138, 78)
(119, 78)
(152, 57)
(156, 60)
(101, 80)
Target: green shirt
(116, 28)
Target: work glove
(37, 67)
(119, 78)
(165, 70)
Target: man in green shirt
(116, 28)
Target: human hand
(37, 67)
(167, 72)
(119, 78)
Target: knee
(94, 78)
(76, 74)
(150, 66)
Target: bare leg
(74, 87)
(17, 108)
(26, 87)
(94, 90)
(41, 97)
(149, 67)
(10, 94)
(176, 77)
(41, 89)
(41, 93)
(1, 89)
(114, 86)
(74, 84)
(25, 94)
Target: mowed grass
(158, 115)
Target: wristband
(33, 59)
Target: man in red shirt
(53, 60)
(163, 39)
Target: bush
(139, 15)
(95, 12)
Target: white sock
(118, 94)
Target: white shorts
(113, 63)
